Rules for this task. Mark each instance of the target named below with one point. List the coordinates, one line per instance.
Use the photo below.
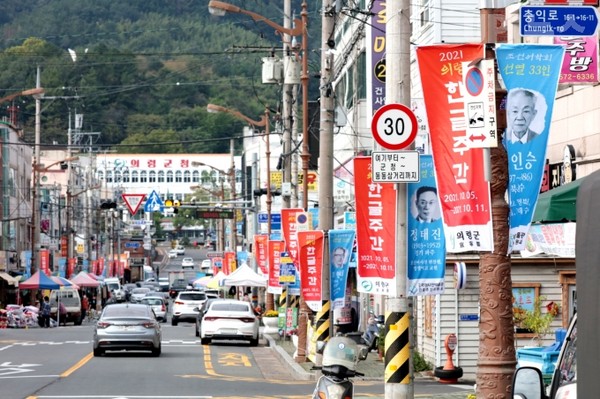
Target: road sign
(213, 254)
(480, 104)
(558, 21)
(394, 126)
(133, 202)
(214, 213)
(287, 270)
(154, 203)
(395, 167)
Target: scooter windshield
(341, 351)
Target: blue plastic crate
(540, 357)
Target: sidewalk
(371, 367)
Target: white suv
(184, 305)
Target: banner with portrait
(530, 73)
(426, 249)
(310, 253)
(376, 231)
(462, 186)
(340, 250)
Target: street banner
(85, 266)
(261, 242)
(229, 264)
(530, 73)
(101, 267)
(290, 226)
(44, 256)
(580, 64)
(376, 55)
(340, 250)
(376, 231)
(461, 182)
(26, 256)
(426, 249)
(71, 264)
(276, 247)
(62, 267)
(311, 266)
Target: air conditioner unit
(272, 70)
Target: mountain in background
(140, 72)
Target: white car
(138, 293)
(172, 254)
(184, 305)
(187, 262)
(229, 319)
(158, 305)
(180, 249)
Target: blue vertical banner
(85, 266)
(340, 249)
(26, 256)
(62, 267)
(426, 246)
(530, 73)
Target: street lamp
(35, 214)
(220, 8)
(263, 122)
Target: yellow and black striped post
(322, 323)
(397, 348)
(294, 301)
(283, 299)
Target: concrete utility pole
(496, 360)
(327, 99)
(232, 180)
(398, 316)
(35, 212)
(286, 109)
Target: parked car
(229, 319)
(180, 249)
(158, 304)
(187, 262)
(138, 293)
(184, 305)
(172, 254)
(127, 326)
(69, 297)
(528, 382)
(114, 286)
(201, 311)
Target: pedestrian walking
(45, 310)
(85, 305)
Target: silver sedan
(127, 326)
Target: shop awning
(9, 279)
(558, 204)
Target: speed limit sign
(394, 126)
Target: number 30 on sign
(394, 126)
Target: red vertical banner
(261, 242)
(95, 267)
(100, 267)
(71, 263)
(310, 245)
(64, 244)
(460, 174)
(376, 214)
(289, 227)
(45, 261)
(276, 247)
(229, 262)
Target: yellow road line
(78, 365)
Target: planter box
(539, 357)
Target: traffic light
(108, 205)
(171, 203)
(263, 191)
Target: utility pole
(233, 227)
(286, 109)
(35, 212)
(398, 316)
(326, 118)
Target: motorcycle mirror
(320, 347)
(362, 352)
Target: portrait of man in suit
(521, 111)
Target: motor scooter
(340, 357)
(371, 334)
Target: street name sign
(394, 126)
(558, 21)
(395, 167)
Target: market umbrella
(83, 279)
(65, 282)
(215, 282)
(39, 281)
(202, 281)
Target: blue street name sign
(558, 21)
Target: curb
(296, 370)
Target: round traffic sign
(394, 126)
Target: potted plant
(270, 320)
(536, 321)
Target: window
(187, 177)
(161, 176)
(425, 17)
(361, 77)
(152, 177)
(134, 176)
(524, 298)
(178, 177)
(170, 176)
(195, 176)
(143, 176)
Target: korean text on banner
(261, 242)
(276, 247)
(290, 227)
(580, 64)
(530, 73)
(311, 266)
(376, 231)
(426, 243)
(463, 189)
(340, 250)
